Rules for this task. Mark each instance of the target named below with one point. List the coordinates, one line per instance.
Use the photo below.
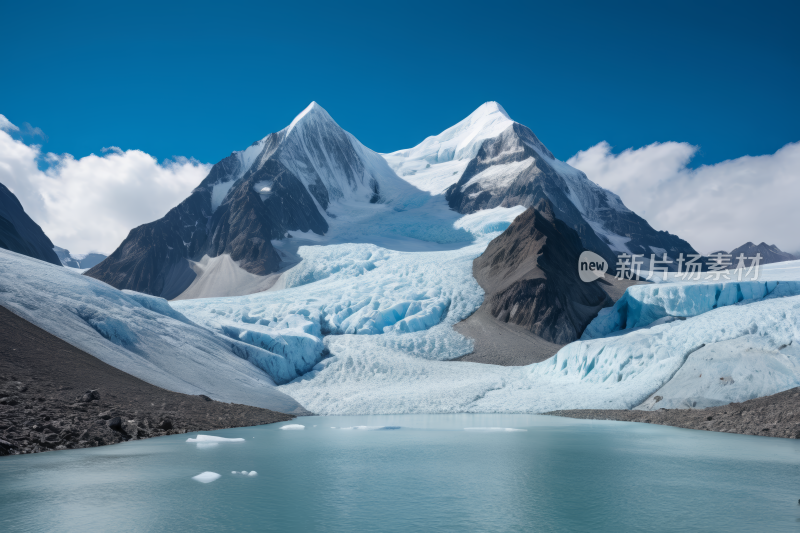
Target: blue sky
(201, 79)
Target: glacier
(367, 329)
(370, 326)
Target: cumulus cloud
(714, 207)
(91, 203)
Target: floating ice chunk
(206, 477)
(291, 427)
(212, 438)
(244, 472)
(234, 472)
(253, 474)
(494, 429)
(372, 428)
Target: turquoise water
(430, 475)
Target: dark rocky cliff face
(19, 233)
(530, 275)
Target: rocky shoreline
(54, 396)
(777, 415)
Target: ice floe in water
(212, 438)
(253, 473)
(292, 427)
(206, 477)
(371, 428)
(494, 429)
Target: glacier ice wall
(642, 305)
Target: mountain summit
(283, 182)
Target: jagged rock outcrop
(530, 275)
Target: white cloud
(91, 203)
(6, 125)
(714, 207)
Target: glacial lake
(429, 475)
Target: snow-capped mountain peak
(330, 163)
(313, 113)
(461, 141)
(489, 160)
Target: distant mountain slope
(769, 253)
(284, 182)
(78, 260)
(19, 233)
(489, 160)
